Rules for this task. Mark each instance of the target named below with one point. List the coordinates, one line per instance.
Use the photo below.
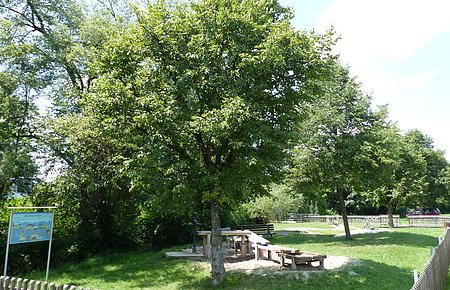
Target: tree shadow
(370, 239)
(366, 274)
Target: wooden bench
(261, 229)
(299, 258)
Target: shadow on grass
(154, 271)
(367, 274)
(375, 239)
(146, 270)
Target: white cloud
(419, 80)
(377, 31)
(378, 38)
(385, 29)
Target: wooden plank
(256, 239)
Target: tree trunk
(390, 214)
(343, 212)
(217, 266)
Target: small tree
(275, 206)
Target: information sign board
(30, 227)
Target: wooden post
(416, 276)
(243, 246)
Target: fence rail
(13, 283)
(434, 276)
(428, 221)
(381, 219)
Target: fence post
(416, 276)
(431, 251)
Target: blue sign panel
(30, 227)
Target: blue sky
(397, 50)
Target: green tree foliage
(208, 92)
(276, 205)
(396, 172)
(408, 171)
(16, 131)
(434, 192)
(329, 158)
(47, 50)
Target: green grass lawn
(384, 260)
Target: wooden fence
(434, 276)
(428, 221)
(353, 219)
(12, 283)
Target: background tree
(47, 50)
(329, 156)
(396, 172)
(434, 192)
(16, 130)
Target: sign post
(29, 227)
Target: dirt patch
(330, 263)
(364, 231)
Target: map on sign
(30, 227)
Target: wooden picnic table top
(226, 233)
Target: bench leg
(293, 264)
(321, 265)
(243, 246)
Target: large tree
(209, 92)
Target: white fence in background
(382, 220)
(428, 221)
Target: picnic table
(206, 236)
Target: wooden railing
(435, 274)
(13, 283)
